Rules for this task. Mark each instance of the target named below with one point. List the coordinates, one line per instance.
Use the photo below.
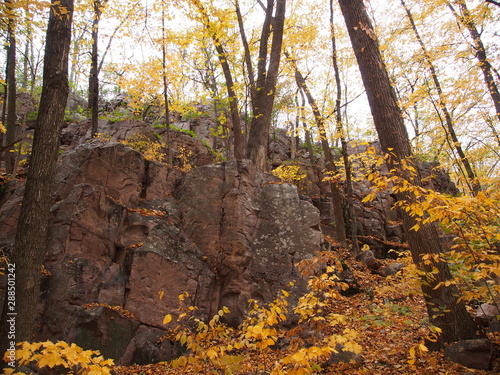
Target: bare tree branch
(493, 2)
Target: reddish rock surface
(134, 234)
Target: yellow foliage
(70, 356)
(185, 157)
(290, 173)
(224, 348)
(472, 222)
(103, 137)
(150, 149)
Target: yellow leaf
(167, 319)
(238, 345)
(183, 339)
(211, 353)
(423, 349)
(160, 294)
(411, 361)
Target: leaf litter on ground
(389, 315)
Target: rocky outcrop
(187, 147)
(129, 235)
(379, 225)
(236, 216)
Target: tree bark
(443, 305)
(246, 49)
(265, 83)
(31, 235)
(10, 136)
(94, 69)
(170, 156)
(307, 133)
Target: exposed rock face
(126, 231)
(236, 216)
(378, 224)
(185, 148)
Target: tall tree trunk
(28, 62)
(352, 226)
(246, 49)
(11, 91)
(170, 156)
(94, 72)
(231, 93)
(4, 112)
(336, 196)
(466, 19)
(443, 305)
(24, 82)
(31, 235)
(265, 83)
(307, 133)
(472, 182)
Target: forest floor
(389, 317)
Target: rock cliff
(126, 230)
(129, 235)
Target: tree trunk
(246, 49)
(170, 152)
(443, 305)
(336, 196)
(466, 19)
(265, 84)
(31, 235)
(352, 224)
(472, 182)
(94, 72)
(11, 92)
(307, 133)
(231, 93)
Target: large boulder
(476, 354)
(128, 236)
(251, 229)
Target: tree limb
(12, 144)
(493, 2)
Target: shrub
(150, 149)
(291, 174)
(68, 358)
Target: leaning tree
(444, 308)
